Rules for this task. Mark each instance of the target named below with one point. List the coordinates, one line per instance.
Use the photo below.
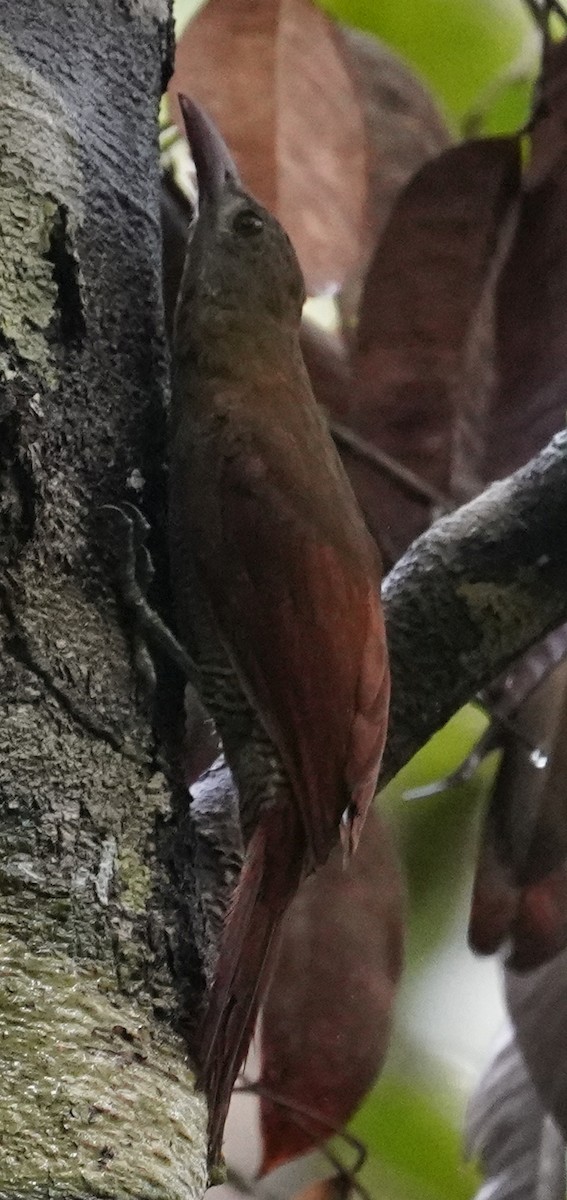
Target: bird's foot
(135, 573)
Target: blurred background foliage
(476, 55)
(450, 1007)
(468, 51)
(480, 58)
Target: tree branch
(473, 594)
(408, 482)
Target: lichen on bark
(41, 179)
(96, 1098)
(474, 593)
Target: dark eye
(247, 223)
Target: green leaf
(437, 836)
(416, 1154)
(458, 46)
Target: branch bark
(475, 592)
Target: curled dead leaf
(404, 129)
(326, 1020)
(531, 298)
(326, 360)
(520, 890)
(421, 294)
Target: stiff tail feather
(268, 881)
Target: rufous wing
(301, 617)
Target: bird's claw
(135, 573)
(135, 565)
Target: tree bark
(95, 932)
(475, 592)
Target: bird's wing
(302, 621)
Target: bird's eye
(247, 223)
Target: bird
(275, 581)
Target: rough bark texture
(472, 594)
(97, 1094)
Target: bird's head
(239, 259)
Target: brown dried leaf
(272, 73)
(421, 294)
(404, 129)
(531, 300)
(326, 1020)
(326, 360)
(520, 890)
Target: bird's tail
(268, 882)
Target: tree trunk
(97, 1094)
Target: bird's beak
(213, 163)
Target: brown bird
(276, 583)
